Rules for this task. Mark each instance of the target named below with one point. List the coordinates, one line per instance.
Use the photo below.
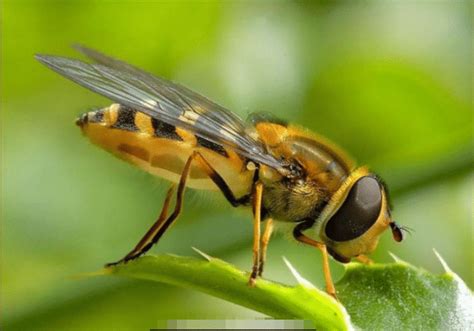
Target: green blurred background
(389, 81)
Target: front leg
(364, 259)
(298, 234)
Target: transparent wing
(161, 99)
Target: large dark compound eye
(358, 212)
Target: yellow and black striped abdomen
(162, 149)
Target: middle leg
(257, 208)
(267, 233)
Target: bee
(283, 172)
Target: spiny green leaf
(393, 296)
(224, 281)
(399, 296)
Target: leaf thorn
(300, 279)
(396, 258)
(446, 268)
(204, 255)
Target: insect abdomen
(160, 148)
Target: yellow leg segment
(364, 259)
(267, 233)
(257, 207)
(330, 289)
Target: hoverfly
(282, 171)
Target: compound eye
(358, 212)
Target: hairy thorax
(294, 200)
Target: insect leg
(163, 223)
(264, 244)
(364, 259)
(258, 255)
(146, 242)
(205, 166)
(298, 234)
(163, 226)
(257, 208)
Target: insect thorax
(319, 174)
(292, 201)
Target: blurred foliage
(389, 81)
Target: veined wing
(176, 93)
(163, 100)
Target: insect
(283, 172)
